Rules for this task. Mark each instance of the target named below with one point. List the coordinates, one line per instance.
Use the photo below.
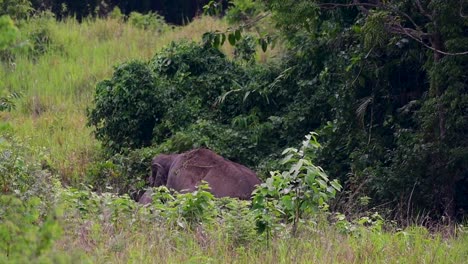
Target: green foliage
(374, 223)
(194, 207)
(200, 85)
(24, 236)
(17, 9)
(22, 175)
(238, 221)
(116, 13)
(245, 49)
(41, 39)
(32, 38)
(7, 101)
(121, 173)
(150, 21)
(382, 97)
(127, 107)
(243, 10)
(303, 189)
(8, 32)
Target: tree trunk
(447, 196)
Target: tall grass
(58, 86)
(160, 244)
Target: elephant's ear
(157, 175)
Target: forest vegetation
(353, 114)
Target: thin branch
(355, 3)
(406, 32)
(461, 10)
(415, 34)
(422, 10)
(252, 22)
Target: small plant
(194, 207)
(150, 21)
(17, 9)
(243, 10)
(245, 48)
(373, 222)
(24, 235)
(8, 32)
(303, 189)
(238, 221)
(7, 102)
(116, 14)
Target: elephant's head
(159, 170)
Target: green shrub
(8, 100)
(127, 107)
(150, 21)
(245, 48)
(238, 221)
(17, 9)
(303, 189)
(39, 34)
(24, 235)
(9, 35)
(243, 10)
(116, 13)
(8, 32)
(22, 175)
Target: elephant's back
(225, 177)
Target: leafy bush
(195, 207)
(150, 21)
(7, 100)
(33, 37)
(303, 189)
(116, 14)
(185, 76)
(243, 10)
(238, 221)
(23, 176)
(127, 107)
(9, 32)
(245, 49)
(39, 35)
(17, 9)
(24, 235)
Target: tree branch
(416, 34)
(422, 10)
(461, 10)
(408, 32)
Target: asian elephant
(183, 172)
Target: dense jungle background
(353, 114)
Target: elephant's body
(184, 172)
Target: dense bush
(188, 96)
(383, 100)
(28, 218)
(243, 10)
(17, 9)
(150, 21)
(22, 175)
(127, 107)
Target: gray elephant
(183, 172)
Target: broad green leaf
(238, 34)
